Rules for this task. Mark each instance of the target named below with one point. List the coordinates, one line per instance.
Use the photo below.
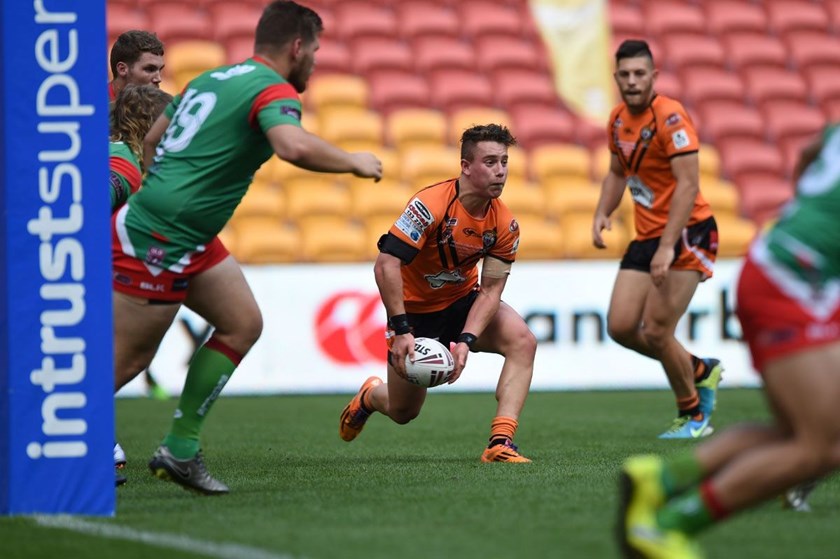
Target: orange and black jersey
(645, 143)
(440, 244)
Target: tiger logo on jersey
(443, 277)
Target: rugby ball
(433, 364)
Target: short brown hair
(131, 45)
(283, 21)
(484, 133)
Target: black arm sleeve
(393, 245)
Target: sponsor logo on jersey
(646, 134)
(680, 139)
(117, 185)
(421, 212)
(443, 277)
(409, 227)
(122, 278)
(149, 286)
(672, 119)
(155, 256)
(290, 111)
(514, 226)
(233, 72)
(515, 246)
(488, 238)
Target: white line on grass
(158, 539)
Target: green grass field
(413, 491)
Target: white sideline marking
(158, 539)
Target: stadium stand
(187, 59)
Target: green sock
(681, 472)
(207, 375)
(687, 513)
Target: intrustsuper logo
(61, 254)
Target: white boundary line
(158, 539)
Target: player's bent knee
(403, 416)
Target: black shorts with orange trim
(695, 250)
(445, 325)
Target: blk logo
(350, 328)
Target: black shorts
(446, 325)
(695, 250)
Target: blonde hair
(135, 110)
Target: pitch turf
(413, 491)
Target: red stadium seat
(364, 19)
(176, 21)
(626, 19)
(795, 15)
(426, 18)
(457, 89)
(772, 84)
(710, 84)
(391, 90)
(810, 49)
(823, 84)
(722, 120)
(761, 196)
(504, 53)
(682, 50)
(673, 17)
(333, 57)
(832, 7)
(380, 53)
(791, 119)
(725, 16)
(741, 157)
(121, 18)
(536, 126)
(433, 52)
(234, 20)
(669, 85)
(517, 87)
(483, 18)
(239, 49)
(745, 50)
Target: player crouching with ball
(427, 274)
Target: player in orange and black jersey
(655, 156)
(429, 283)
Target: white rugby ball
(433, 364)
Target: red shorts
(132, 277)
(775, 323)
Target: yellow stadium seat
(316, 196)
(263, 241)
(552, 161)
(337, 91)
(721, 195)
(169, 86)
(517, 163)
(350, 125)
(262, 200)
(572, 195)
(423, 167)
(386, 198)
(577, 234)
(228, 238)
(524, 198)
(601, 163)
(375, 227)
(186, 59)
(462, 119)
(416, 127)
(539, 239)
(332, 239)
(709, 161)
(734, 235)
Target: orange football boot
(507, 452)
(353, 418)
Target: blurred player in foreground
(789, 308)
(655, 156)
(210, 140)
(133, 112)
(428, 280)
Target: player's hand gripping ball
(433, 364)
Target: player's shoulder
(617, 110)
(664, 107)
(121, 149)
(438, 196)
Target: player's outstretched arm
(308, 151)
(153, 136)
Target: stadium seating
(465, 118)
(483, 18)
(507, 53)
(423, 167)
(539, 239)
(233, 20)
(671, 16)
(370, 200)
(809, 48)
(392, 90)
(766, 84)
(536, 126)
(762, 195)
(745, 156)
(726, 16)
(682, 51)
(124, 17)
(721, 120)
(333, 58)
(518, 87)
(626, 19)
(565, 196)
(787, 119)
(426, 18)
(709, 161)
(720, 194)
(332, 239)
(380, 53)
(316, 196)
(577, 238)
(711, 84)
(262, 200)
(410, 128)
(751, 50)
(187, 59)
(517, 163)
(524, 199)
(337, 91)
(262, 241)
(452, 90)
(792, 15)
(432, 52)
(734, 235)
(359, 18)
(176, 21)
(552, 162)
